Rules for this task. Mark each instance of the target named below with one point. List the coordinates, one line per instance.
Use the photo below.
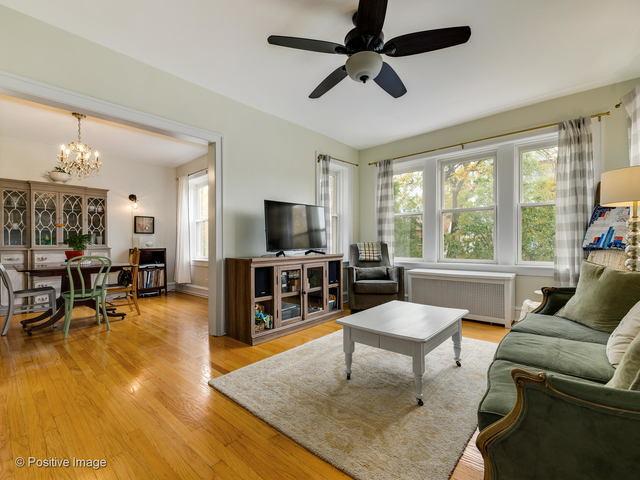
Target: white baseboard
(196, 290)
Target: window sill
(524, 270)
(200, 262)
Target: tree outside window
(408, 212)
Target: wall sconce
(134, 201)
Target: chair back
(134, 261)
(6, 280)
(74, 271)
(354, 257)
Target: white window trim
(203, 178)
(344, 174)
(523, 147)
(410, 168)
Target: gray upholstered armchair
(373, 283)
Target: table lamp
(621, 188)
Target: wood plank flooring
(138, 397)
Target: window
(340, 202)
(408, 212)
(537, 212)
(334, 216)
(468, 211)
(199, 216)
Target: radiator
(489, 296)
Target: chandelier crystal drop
(77, 158)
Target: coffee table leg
(457, 344)
(349, 347)
(418, 370)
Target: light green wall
(263, 156)
(614, 136)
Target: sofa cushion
(372, 273)
(627, 374)
(580, 359)
(377, 287)
(603, 296)
(623, 335)
(552, 326)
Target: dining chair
(12, 308)
(130, 290)
(83, 291)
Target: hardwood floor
(138, 397)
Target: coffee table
(407, 328)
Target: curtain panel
(183, 244)
(574, 197)
(324, 197)
(631, 103)
(384, 204)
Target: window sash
(199, 217)
(414, 213)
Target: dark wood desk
(50, 317)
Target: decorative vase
(73, 253)
(59, 177)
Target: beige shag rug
(369, 427)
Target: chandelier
(77, 158)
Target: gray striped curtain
(324, 196)
(384, 204)
(631, 103)
(574, 197)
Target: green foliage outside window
(407, 194)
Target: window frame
(343, 174)
(196, 182)
(441, 211)
(411, 168)
(520, 149)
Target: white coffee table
(407, 328)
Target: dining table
(51, 317)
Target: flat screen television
(294, 226)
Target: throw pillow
(603, 296)
(627, 375)
(623, 335)
(369, 252)
(372, 273)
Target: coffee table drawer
(367, 338)
(397, 345)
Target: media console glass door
(290, 294)
(315, 275)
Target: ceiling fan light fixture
(364, 66)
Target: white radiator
(488, 296)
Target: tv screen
(294, 226)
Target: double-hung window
(199, 216)
(340, 202)
(536, 210)
(468, 209)
(408, 214)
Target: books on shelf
(150, 278)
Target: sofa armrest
(563, 427)
(553, 299)
(397, 275)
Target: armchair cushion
(378, 287)
(551, 326)
(369, 252)
(603, 297)
(579, 359)
(372, 273)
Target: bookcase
(267, 297)
(152, 274)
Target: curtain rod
(338, 160)
(598, 115)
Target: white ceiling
(520, 52)
(32, 122)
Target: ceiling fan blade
(390, 82)
(328, 83)
(370, 16)
(427, 41)
(306, 44)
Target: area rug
(370, 426)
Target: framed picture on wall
(144, 225)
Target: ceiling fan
(364, 45)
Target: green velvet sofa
(546, 413)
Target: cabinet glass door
(14, 215)
(71, 215)
(96, 220)
(315, 289)
(45, 214)
(290, 294)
